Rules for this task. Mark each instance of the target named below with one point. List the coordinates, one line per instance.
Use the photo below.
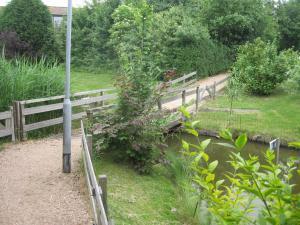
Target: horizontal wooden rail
(7, 126)
(96, 193)
(183, 78)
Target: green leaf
(205, 157)
(192, 131)
(241, 141)
(219, 182)
(226, 134)
(195, 123)
(226, 145)
(185, 145)
(294, 144)
(185, 113)
(205, 143)
(212, 166)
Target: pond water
(220, 153)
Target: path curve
(33, 189)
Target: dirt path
(201, 83)
(34, 191)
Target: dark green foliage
(289, 24)
(90, 35)
(234, 22)
(186, 45)
(161, 5)
(32, 22)
(21, 80)
(134, 131)
(259, 69)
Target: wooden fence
(16, 120)
(97, 190)
(7, 124)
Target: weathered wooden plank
(51, 122)
(5, 115)
(222, 81)
(31, 101)
(6, 132)
(182, 78)
(92, 92)
(87, 101)
(58, 106)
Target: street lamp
(67, 107)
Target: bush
(13, 46)
(292, 85)
(32, 22)
(21, 80)
(289, 19)
(259, 69)
(185, 44)
(234, 22)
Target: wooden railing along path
(97, 190)
(16, 120)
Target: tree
(289, 24)
(234, 22)
(32, 22)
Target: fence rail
(97, 190)
(7, 124)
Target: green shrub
(252, 185)
(259, 69)
(292, 85)
(32, 22)
(234, 22)
(21, 80)
(185, 44)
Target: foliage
(253, 185)
(161, 5)
(292, 85)
(186, 44)
(134, 131)
(259, 69)
(289, 20)
(234, 22)
(90, 35)
(21, 80)
(13, 46)
(32, 22)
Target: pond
(220, 153)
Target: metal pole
(67, 108)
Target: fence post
(89, 140)
(16, 118)
(103, 184)
(215, 89)
(12, 126)
(183, 97)
(102, 102)
(22, 121)
(159, 104)
(197, 98)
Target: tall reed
(22, 79)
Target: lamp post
(67, 107)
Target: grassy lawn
(84, 81)
(278, 115)
(136, 199)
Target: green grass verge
(136, 199)
(278, 115)
(85, 81)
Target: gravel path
(33, 189)
(201, 83)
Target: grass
(84, 81)
(136, 199)
(278, 115)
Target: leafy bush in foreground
(257, 191)
(21, 79)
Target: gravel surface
(33, 189)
